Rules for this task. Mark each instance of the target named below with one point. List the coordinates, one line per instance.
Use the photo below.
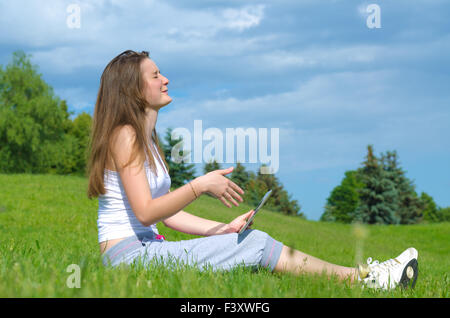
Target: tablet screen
(264, 199)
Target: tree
(279, 201)
(80, 130)
(211, 166)
(430, 211)
(410, 206)
(180, 172)
(344, 199)
(254, 192)
(379, 193)
(379, 196)
(444, 214)
(33, 122)
(328, 214)
(240, 176)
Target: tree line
(379, 192)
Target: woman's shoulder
(123, 134)
(122, 145)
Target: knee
(259, 234)
(269, 247)
(255, 235)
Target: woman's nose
(165, 80)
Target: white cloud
(322, 96)
(243, 18)
(66, 59)
(109, 27)
(32, 23)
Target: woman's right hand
(216, 184)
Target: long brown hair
(120, 102)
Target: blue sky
(311, 68)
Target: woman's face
(155, 85)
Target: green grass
(47, 223)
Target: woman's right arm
(150, 211)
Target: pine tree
(279, 200)
(211, 166)
(410, 206)
(240, 176)
(180, 172)
(254, 192)
(379, 197)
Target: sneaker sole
(409, 275)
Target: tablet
(264, 199)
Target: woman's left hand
(236, 225)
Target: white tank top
(116, 219)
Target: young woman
(129, 175)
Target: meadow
(47, 223)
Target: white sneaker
(402, 270)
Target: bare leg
(297, 262)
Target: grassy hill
(47, 223)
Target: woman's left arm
(191, 224)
